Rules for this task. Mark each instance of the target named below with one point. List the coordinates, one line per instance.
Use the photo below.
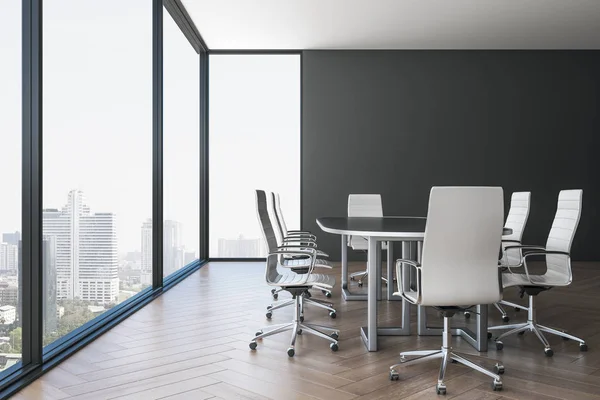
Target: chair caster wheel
(505, 318)
(275, 296)
(440, 388)
(335, 335)
(273, 291)
(402, 359)
(489, 335)
(499, 368)
(360, 284)
(258, 333)
(454, 361)
(394, 376)
(269, 307)
(328, 295)
(499, 345)
(467, 315)
(496, 386)
(269, 315)
(334, 347)
(291, 352)
(352, 278)
(521, 333)
(583, 347)
(299, 332)
(253, 345)
(332, 314)
(548, 352)
(302, 318)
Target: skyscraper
(173, 251)
(48, 282)
(241, 247)
(9, 257)
(11, 238)
(86, 251)
(146, 270)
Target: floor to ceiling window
(10, 200)
(254, 137)
(97, 157)
(181, 148)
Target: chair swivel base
(304, 299)
(532, 326)
(446, 355)
(275, 293)
(297, 327)
(362, 276)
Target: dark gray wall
(399, 122)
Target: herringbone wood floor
(192, 343)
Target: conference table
(411, 232)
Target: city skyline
(146, 239)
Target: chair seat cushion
(550, 278)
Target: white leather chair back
(278, 213)
(363, 205)
(460, 250)
(516, 220)
(564, 226)
(262, 212)
(277, 218)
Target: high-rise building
(146, 268)
(241, 247)
(48, 282)
(9, 257)
(172, 248)
(86, 254)
(11, 238)
(9, 293)
(174, 254)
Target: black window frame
(36, 359)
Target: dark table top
(388, 227)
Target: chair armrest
(301, 234)
(525, 247)
(306, 249)
(298, 231)
(313, 260)
(511, 241)
(538, 253)
(300, 240)
(305, 238)
(400, 277)
(411, 262)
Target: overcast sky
(254, 141)
(97, 99)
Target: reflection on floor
(192, 343)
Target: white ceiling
(397, 24)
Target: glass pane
(10, 165)
(254, 144)
(97, 157)
(181, 153)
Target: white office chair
(298, 264)
(516, 220)
(363, 205)
(558, 269)
(462, 237)
(277, 275)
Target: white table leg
(370, 336)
